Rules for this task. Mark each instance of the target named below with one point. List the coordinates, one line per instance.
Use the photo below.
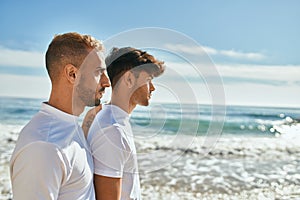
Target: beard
(140, 97)
(97, 101)
(87, 96)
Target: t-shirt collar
(45, 107)
(119, 114)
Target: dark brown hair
(124, 59)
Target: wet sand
(235, 167)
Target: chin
(145, 103)
(97, 102)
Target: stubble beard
(87, 96)
(97, 101)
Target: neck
(62, 99)
(121, 99)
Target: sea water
(254, 153)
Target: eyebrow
(101, 68)
(151, 77)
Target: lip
(101, 90)
(100, 94)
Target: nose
(152, 88)
(104, 81)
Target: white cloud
(20, 58)
(246, 84)
(24, 86)
(202, 50)
(262, 85)
(246, 72)
(287, 73)
(172, 90)
(256, 94)
(240, 92)
(195, 50)
(239, 55)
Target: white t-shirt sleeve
(37, 172)
(110, 151)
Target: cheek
(91, 82)
(97, 78)
(146, 87)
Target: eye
(99, 72)
(149, 79)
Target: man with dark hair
(52, 159)
(110, 137)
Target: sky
(252, 47)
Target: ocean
(195, 151)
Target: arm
(110, 152)
(89, 118)
(37, 172)
(107, 188)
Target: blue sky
(254, 44)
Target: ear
(129, 79)
(70, 72)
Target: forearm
(107, 188)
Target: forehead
(145, 75)
(93, 61)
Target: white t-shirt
(51, 159)
(112, 145)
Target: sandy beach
(8, 140)
(250, 168)
(235, 168)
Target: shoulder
(35, 129)
(112, 132)
(37, 165)
(38, 157)
(40, 128)
(113, 135)
(40, 151)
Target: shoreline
(236, 167)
